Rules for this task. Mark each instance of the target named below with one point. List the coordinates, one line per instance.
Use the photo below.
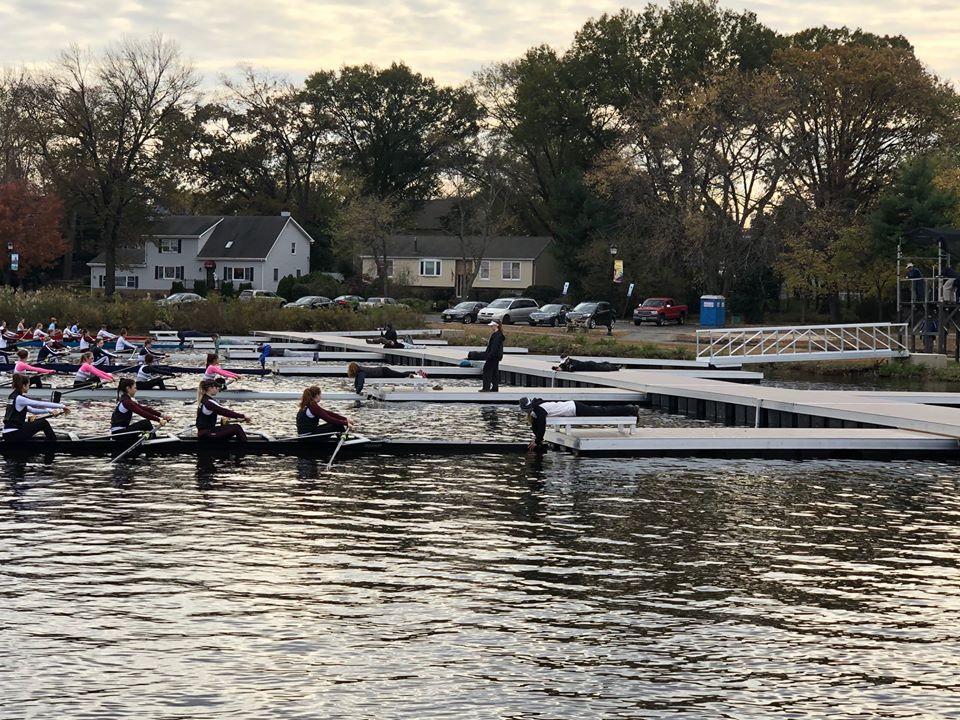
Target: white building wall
(280, 261)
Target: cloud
(447, 39)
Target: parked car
(373, 302)
(552, 314)
(591, 314)
(465, 312)
(348, 301)
(508, 310)
(261, 296)
(310, 302)
(660, 310)
(184, 298)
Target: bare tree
(118, 125)
(18, 158)
(366, 223)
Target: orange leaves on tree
(30, 221)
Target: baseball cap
(525, 404)
(493, 323)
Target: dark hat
(526, 404)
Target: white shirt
(122, 344)
(564, 408)
(106, 335)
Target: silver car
(508, 310)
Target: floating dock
(508, 396)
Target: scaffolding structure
(929, 304)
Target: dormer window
(228, 245)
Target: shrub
(542, 293)
(418, 304)
(226, 289)
(177, 287)
(200, 287)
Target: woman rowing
(311, 413)
(88, 374)
(51, 351)
(101, 356)
(127, 407)
(123, 345)
(38, 333)
(146, 350)
(16, 426)
(22, 367)
(215, 373)
(86, 340)
(360, 373)
(150, 377)
(207, 411)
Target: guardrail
(735, 346)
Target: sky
(445, 39)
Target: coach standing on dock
(492, 357)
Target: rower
(50, 351)
(123, 345)
(127, 406)
(87, 372)
(71, 333)
(21, 326)
(215, 373)
(104, 334)
(101, 356)
(147, 351)
(150, 377)
(38, 333)
(207, 411)
(22, 368)
(311, 413)
(16, 426)
(86, 341)
(52, 327)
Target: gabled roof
(243, 237)
(183, 225)
(126, 257)
(508, 247)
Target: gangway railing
(735, 346)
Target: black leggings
(325, 430)
(491, 375)
(588, 410)
(380, 372)
(30, 429)
(139, 426)
(152, 384)
(224, 433)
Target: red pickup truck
(660, 310)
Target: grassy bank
(579, 344)
(865, 370)
(225, 316)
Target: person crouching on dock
(127, 406)
(209, 409)
(16, 426)
(311, 414)
(539, 410)
(215, 373)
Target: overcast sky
(447, 39)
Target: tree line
(714, 153)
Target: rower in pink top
(214, 369)
(87, 372)
(22, 367)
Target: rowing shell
(321, 447)
(70, 368)
(108, 393)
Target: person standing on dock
(539, 410)
(917, 285)
(209, 409)
(311, 414)
(492, 357)
(16, 426)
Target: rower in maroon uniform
(127, 407)
(311, 414)
(207, 411)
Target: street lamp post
(613, 279)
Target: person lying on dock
(568, 364)
(216, 374)
(311, 413)
(388, 338)
(150, 377)
(16, 425)
(87, 374)
(22, 368)
(127, 407)
(360, 373)
(207, 411)
(538, 410)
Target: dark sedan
(465, 312)
(591, 314)
(552, 314)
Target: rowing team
(212, 420)
(54, 333)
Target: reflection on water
(479, 587)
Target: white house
(254, 250)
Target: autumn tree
(118, 127)
(364, 225)
(30, 225)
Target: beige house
(509, 265)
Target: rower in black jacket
(150, 377)
(101, 356)
(492, 357)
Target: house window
(276, 274)
(510, 270)
(430, 268)
(235, 274)
(170, 245)
(298, 272)
(293, 248)
(389, 268)
(168, 272)
(484, 270)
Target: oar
(226, 385)
(57, 394)
(111, 435)
(306, 437)
(343, 436)
(133, 447)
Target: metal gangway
(736, 346)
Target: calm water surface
(484, 587)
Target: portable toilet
(713, 310)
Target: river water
(482, 587)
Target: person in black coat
(492, 357)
